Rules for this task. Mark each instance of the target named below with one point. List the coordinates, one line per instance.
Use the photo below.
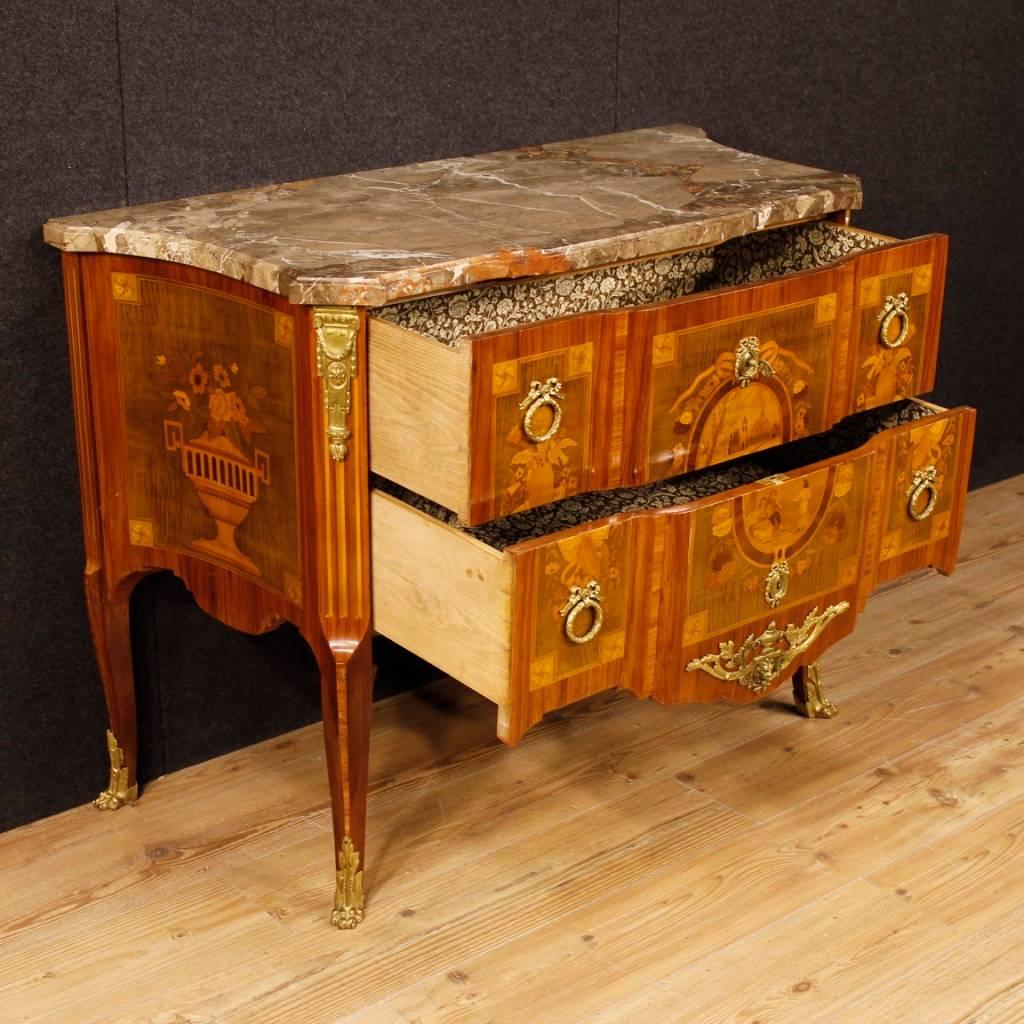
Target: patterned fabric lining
(766, 254)
(849, 434)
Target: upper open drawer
(517, 394)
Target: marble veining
(376, 237)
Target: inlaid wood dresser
(633, 411)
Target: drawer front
(541, 425)
(896, 318)
(922, 512)
(513, 419)
(578, 616)
(730, 373)
(787, 554)
(721, 598)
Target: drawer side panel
(442, 595)
(419, 414)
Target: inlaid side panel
(207, 384)
(197, 385)
(898, 305)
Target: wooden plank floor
(627, 863)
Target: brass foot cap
(111, 800)
(346, 918)
(823, 708)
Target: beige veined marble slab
(378, 236)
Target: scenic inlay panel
(704, 411)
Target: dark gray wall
(106, 102)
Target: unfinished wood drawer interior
(680, 566)
(512, 395)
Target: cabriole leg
(112, 639)
(347, 678)
(809, 693)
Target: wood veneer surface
(758, 864)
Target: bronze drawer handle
(749, 364)
(540, 395)
(923, 482)
(761, 659)
(894, 307)
(776, 583)
(579, 599)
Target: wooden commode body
(632, 411)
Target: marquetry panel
(207, 392)
(813, 521)
(548, 669)
(510, 471)
(890, 368)
(701, 414)
(600, 555)
(528, 473)
(935, 442)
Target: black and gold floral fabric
(847, 435)
(751, 258)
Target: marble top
(375, 237)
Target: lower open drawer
(714, 585)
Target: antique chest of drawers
(634, 411)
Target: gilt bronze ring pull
(579, 599)
(541, 394)
(895, 307)
(922, 483)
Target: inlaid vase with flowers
(213, 428)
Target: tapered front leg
(111, 638)
(347, 678)
(809, 693)
(342, 597)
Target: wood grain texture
(108, 617)
(509, 472)
(443, 595)
(419, 414)
(620, 868)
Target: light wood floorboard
(627, 863)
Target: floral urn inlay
(219, 412)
